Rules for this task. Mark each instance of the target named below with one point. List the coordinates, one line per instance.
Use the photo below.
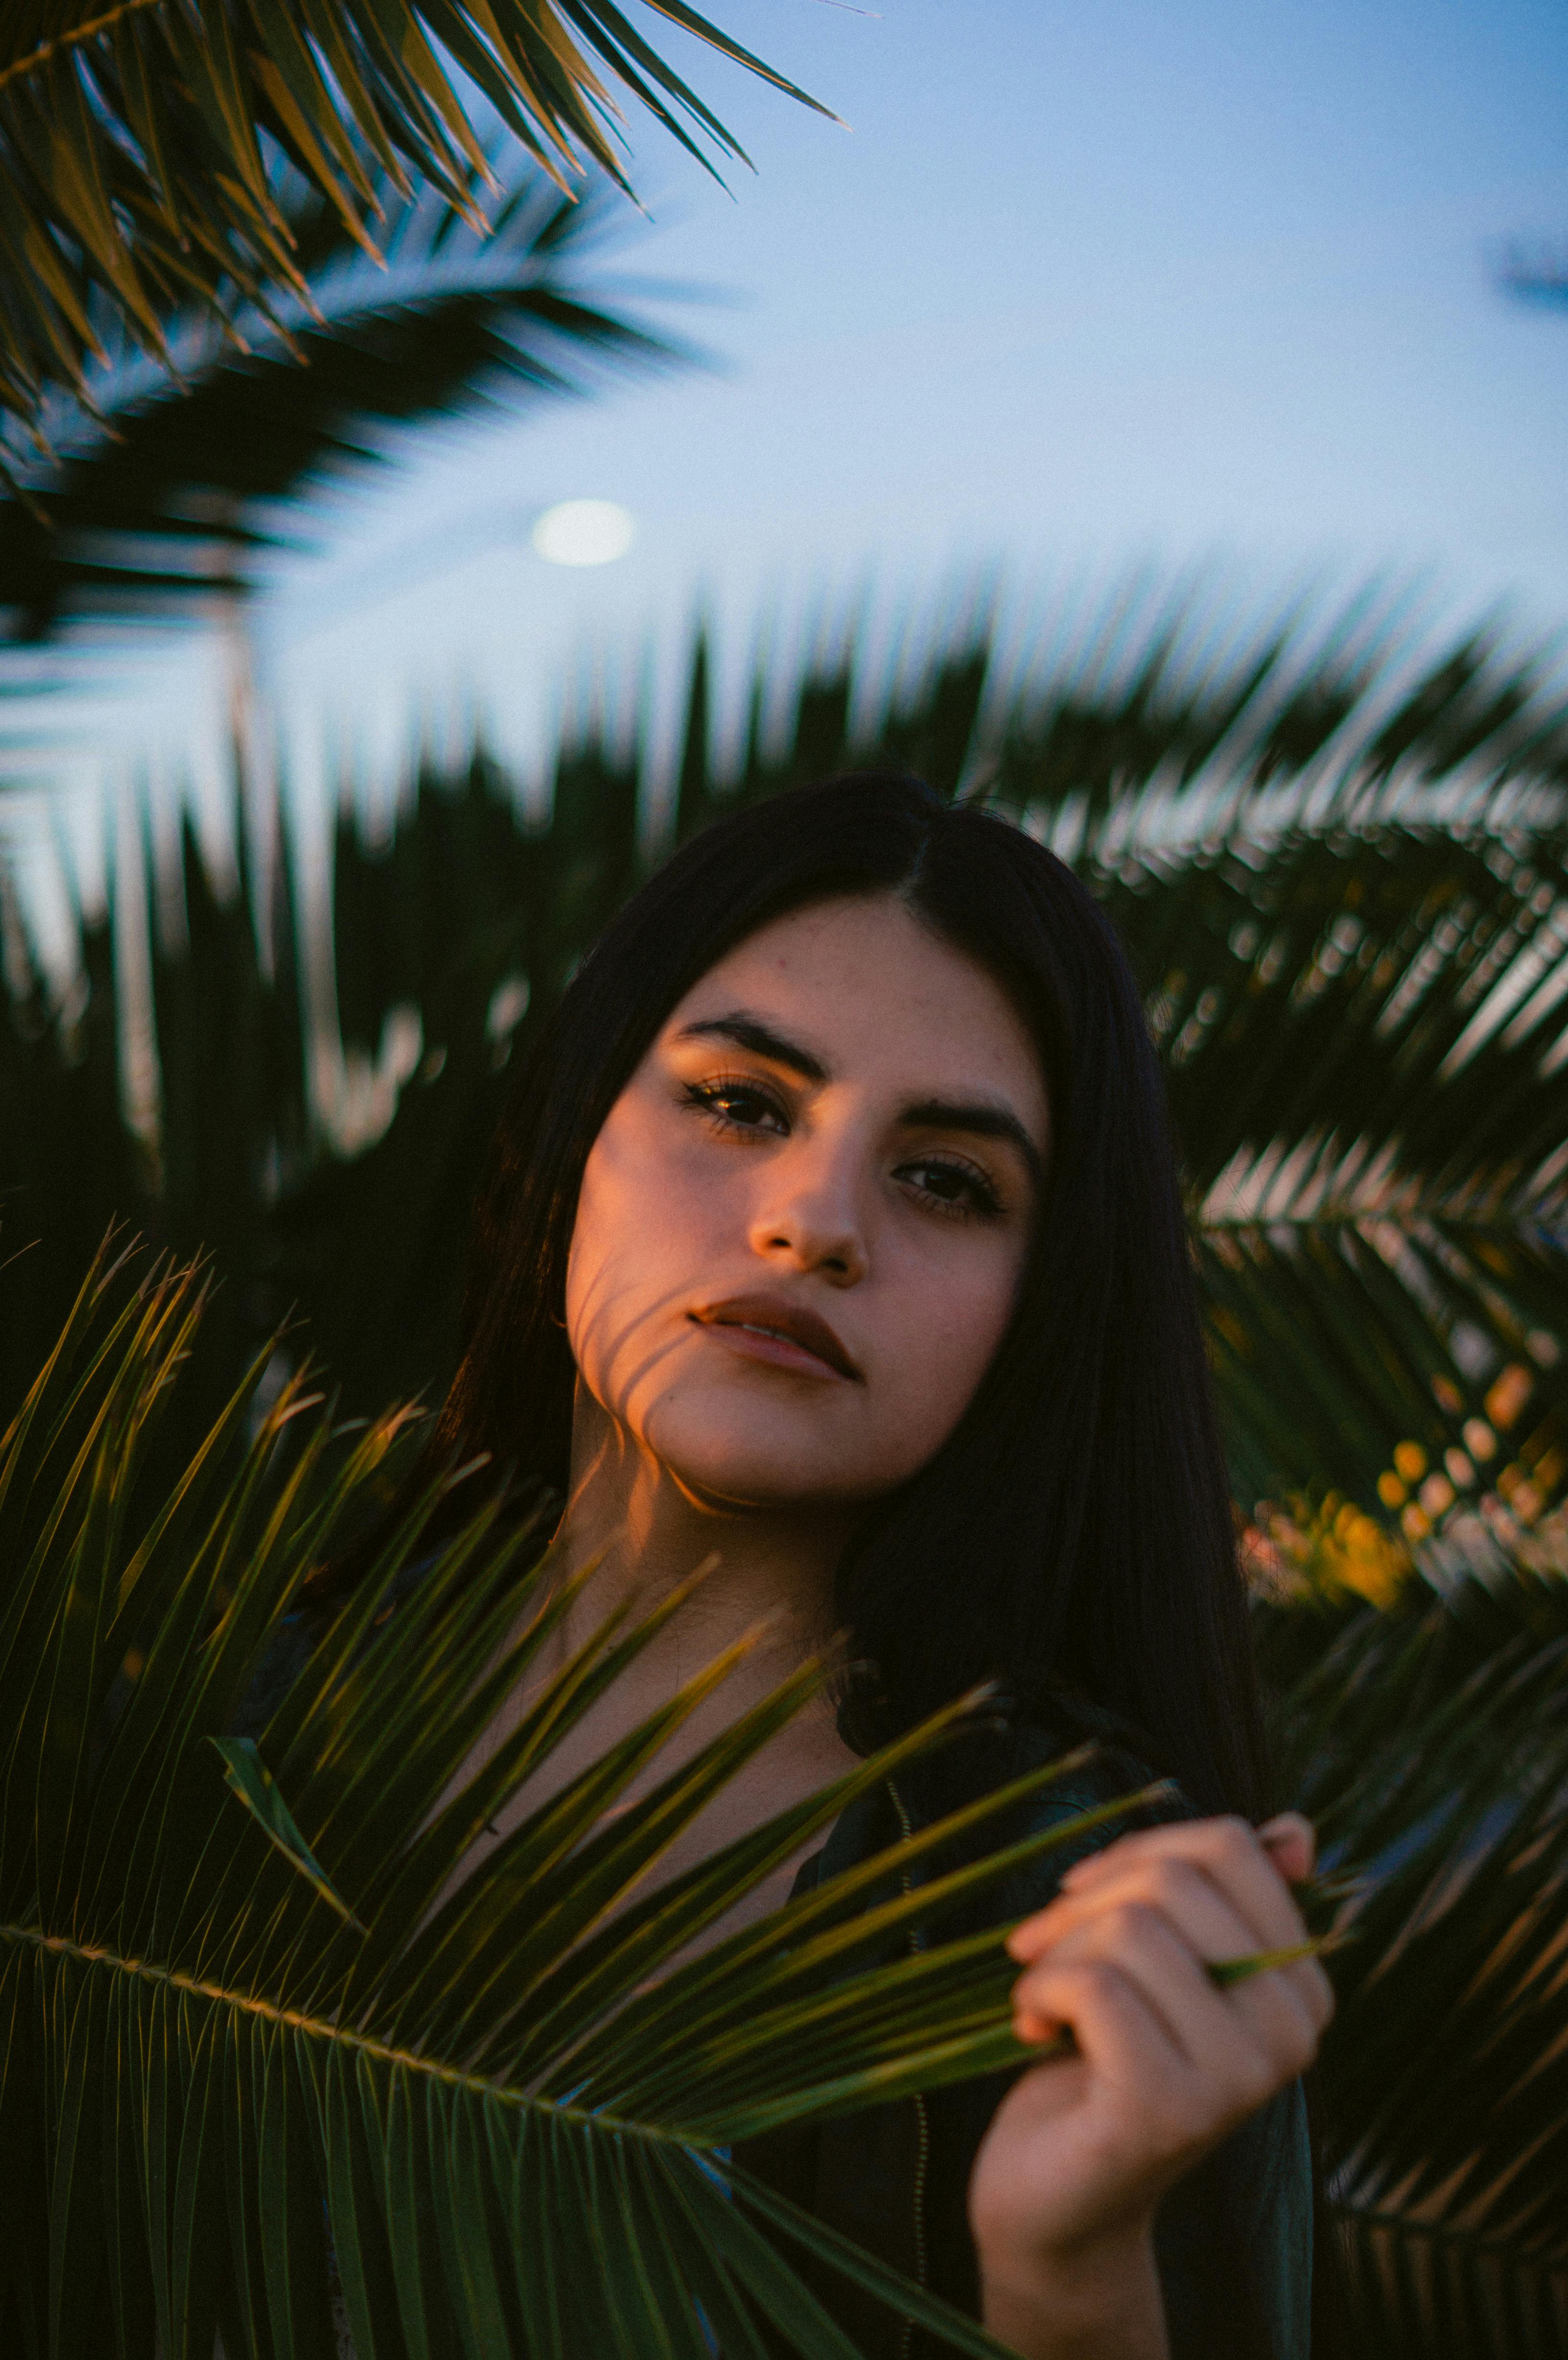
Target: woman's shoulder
(1102, 1762)
(1104, 1754)
(1105, 1762)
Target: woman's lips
(786, 1335)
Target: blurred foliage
(1324, 1549)
(1342, 881)
(146, 149)
(1341, 876)
(1429, 1743)
(159, 497)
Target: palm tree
(1340, 869)
(142, 147)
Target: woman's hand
(1063, 2192)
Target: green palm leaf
(139, 145)
(242, 1979)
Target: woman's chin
(744, 1447)
(751, 1473)
(744, 1487)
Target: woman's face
(803, 1224)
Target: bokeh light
(585, 532)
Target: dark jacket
(1234, 2240)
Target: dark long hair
(1075, 1530)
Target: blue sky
(1157, 282)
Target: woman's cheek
(619, 1247)
(948, 1334)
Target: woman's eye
(737, 1106)
(952, 1187)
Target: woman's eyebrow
(982, 1121)
(751, 1033)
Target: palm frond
(162, 490)
(139, 146)
(1362, 1032)
(1431, 1745)
(251, 1986)
(1166, 717)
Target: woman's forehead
(855, 983)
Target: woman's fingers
(1187, 2058)
(1201, 1910)
(1115, 1938)
(1140, 1945)
(1278, 2015)
(1291, 1844)
(1168, 2060)
(1228, 1854)
(1116, 2025)
(1214, 1887)
(1227, 1851)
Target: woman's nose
(815, 1225)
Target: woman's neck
(637, 1535)
(644, 1533)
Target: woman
(834, 1228)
